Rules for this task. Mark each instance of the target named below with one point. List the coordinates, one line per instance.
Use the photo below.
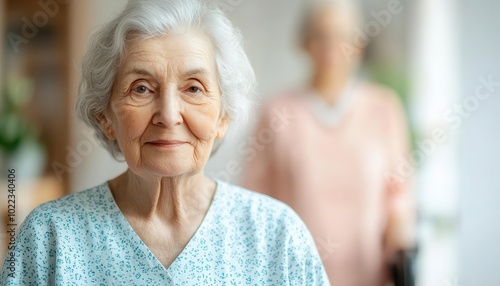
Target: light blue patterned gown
(245, 239)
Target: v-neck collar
(152, 259)
(332, 116)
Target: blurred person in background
(160, 84)
(333, 160)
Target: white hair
(150, 18)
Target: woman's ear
(106, 127)
(222, 126)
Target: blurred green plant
(15, 130)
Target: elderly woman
(160, 85)
(332, 162)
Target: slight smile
(166, 143)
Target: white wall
(480, 152)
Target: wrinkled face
(330, 40)
(165, 109)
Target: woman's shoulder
(257, 208)
(240, 196)
(271, 231)
(379, 96)
(82, 202)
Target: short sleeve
(32, 260)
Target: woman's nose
(168, 109)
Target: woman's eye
(141, 89)
(194, 89)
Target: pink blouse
(334, 171)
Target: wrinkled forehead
(175, 51)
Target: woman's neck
(175, 200)
(329, 85)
